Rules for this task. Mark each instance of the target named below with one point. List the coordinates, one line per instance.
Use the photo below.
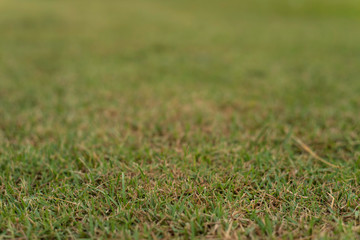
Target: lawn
(180, 119)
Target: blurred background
(84, 70)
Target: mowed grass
(179, 119)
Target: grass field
(180, 119)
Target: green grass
(177, 119)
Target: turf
(179, 119)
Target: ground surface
(162, 119)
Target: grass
(179, 119)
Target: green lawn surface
(155, 119)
